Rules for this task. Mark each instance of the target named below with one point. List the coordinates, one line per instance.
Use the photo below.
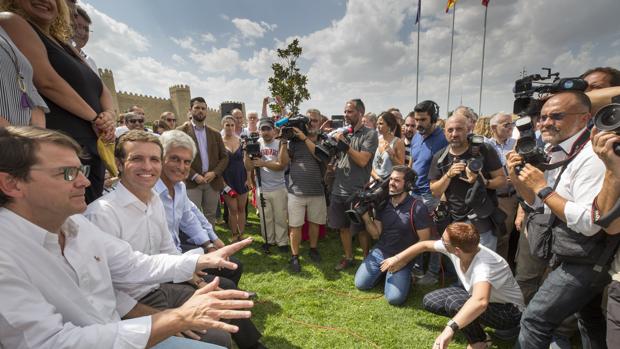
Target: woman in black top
(79, 103)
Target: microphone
(281, 122)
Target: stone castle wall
(178, 103)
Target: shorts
(336, 217)
(299, 207)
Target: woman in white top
(489, 297)
(391, 149)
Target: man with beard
(205, 180)
(407, 136)
(427, 141)
(352, 172)
(401, 223)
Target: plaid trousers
(448, 301)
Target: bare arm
(398, 154)
(373, 227)
(46, 80)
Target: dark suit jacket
(218, 159)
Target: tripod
(261, 199)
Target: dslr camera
(608, 119)
(374, 196)
(328, 146)
(526, 145)
(475, 141)
(287, 124)
(251, 145)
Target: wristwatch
(544, 192)
(210, 245)
(453, 325)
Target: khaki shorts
(299, 206)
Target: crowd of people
(120, 250)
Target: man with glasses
(169, 119)
(502, 142)
(565, 194)
(134, 121)
(58, 269)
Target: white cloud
(217, 60)
(185, 43)
(251, 29)
(208, 37)
(178, 59)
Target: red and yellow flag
(450, 5)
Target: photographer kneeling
(489, 297)
(402, 222)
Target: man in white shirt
(135, 213)
(57, 269)
(565, 194)
(490, 295)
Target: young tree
(287, 82)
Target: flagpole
(451, 49)
(417, 69)
(484, 39)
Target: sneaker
(344, 264)
(265, 248)
(417, 272)
(427, 280)
(283, 249)
(314, 255)
(294, 264)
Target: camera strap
(411, 212)
(579, 144)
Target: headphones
(410, 178)
(434, 109)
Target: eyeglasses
(266, 128)
(557, 116)
(70, 173)
(171, 120)
(133, 121)
(508, 125)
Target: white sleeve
(584, 186)
(28, 320)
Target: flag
(417, 16)
(485, 3)
(450, 5)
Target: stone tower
(180, 97)
(108, 79)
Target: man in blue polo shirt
(425, 143)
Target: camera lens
(608, 118)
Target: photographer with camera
(468, 171)
(561, 226)
(269, 170)
(353, 166)
(306, 191)
(401, 222)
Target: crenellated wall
(178, 103)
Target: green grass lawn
(320, 307)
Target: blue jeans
(185, 343)
(570, 288)
(396, 284)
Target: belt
(506, 195)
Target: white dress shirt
(53, 301)
(121, 214)
(579, 184)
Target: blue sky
(354, 48)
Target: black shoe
(283, 249)
(294, 264)
(345, 264)
(314, 255)
(265, 248)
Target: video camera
(251, 146)
(328, 146)
(526, 145)
(608, 119)
(528, 86)
(287, 124)
(374, 196)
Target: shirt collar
(197, 127)
(125, 198)
(567, 145)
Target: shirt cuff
(185, 268)
(133, 333)
(579, 218)
(124, 303)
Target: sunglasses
(133, 121)
(266, 128)
(557, 116)
(171, 120)
(70, 173)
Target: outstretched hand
(219, 259)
